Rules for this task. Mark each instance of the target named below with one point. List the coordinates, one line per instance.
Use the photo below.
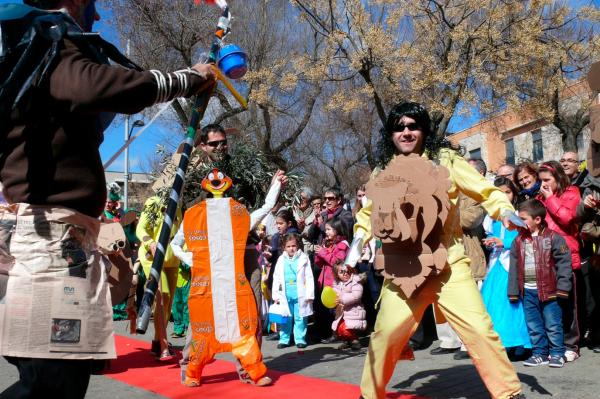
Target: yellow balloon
(328, 297)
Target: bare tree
(174, 34)
(448, 53)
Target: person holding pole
(54, 184)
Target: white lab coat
(304, 280)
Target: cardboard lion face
(410, 207)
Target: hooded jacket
(351, 308)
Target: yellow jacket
(147, 233)
(464, 179)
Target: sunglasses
(216, 143)
(411, 127)
(329, 198)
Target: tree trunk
(569, 140)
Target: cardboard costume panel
(593, 155)
(223, 314)
(410, 207)
(113, 243)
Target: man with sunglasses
(213, 146)
(213, 142)
(53, 178)
(408, 131)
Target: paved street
(431, 376)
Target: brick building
(514, 136)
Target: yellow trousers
(457, 297)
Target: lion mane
(410, 208)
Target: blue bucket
(233, 61)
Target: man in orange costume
(223, 314)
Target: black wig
(386, 148)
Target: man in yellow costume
(450, 286)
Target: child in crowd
(334, 249)
(285, 222)
(350, 315)
(293, 286)
(508, 318)
(540, 273)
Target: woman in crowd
(561, 200)
(527, 181)
(147, 232)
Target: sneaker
(571, 356)
(245, 377)
(442, 351)
(262, 382)
(535, 360)
(356, 345)
(191, 382)
(344, 345)
(301, 345)
(556, 361)
(282, 346)
(597, 349)
(272, 337)
(461, 355)
(331, 340)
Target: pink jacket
(351, 309)
(326, 258)
(560, 217)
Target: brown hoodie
(50, 156)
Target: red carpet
(134, 366)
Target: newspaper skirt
(54, 299)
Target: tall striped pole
(198, 110)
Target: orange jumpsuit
(223, 315)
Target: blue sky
(143, 147)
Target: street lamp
(128, 131)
